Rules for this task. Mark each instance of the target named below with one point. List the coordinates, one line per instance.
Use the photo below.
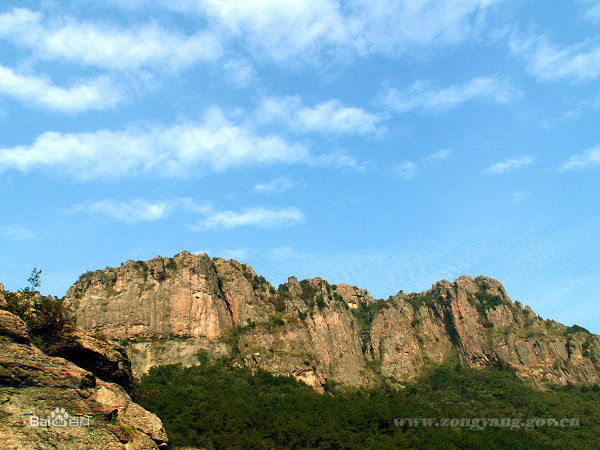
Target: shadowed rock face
(103, 358)
(35, 384)
(172, 308)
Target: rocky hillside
(49, 402)
(190, 307)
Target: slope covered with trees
(216, 406)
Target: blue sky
(386, 144)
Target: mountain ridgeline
(191, 307)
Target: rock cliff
(190, 307)
(49, 402)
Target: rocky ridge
(189, 307)
(38, 387)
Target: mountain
(190, 307)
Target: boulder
(105, 359)
(49, 402)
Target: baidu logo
(59, 418)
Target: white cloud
(275, 186)
(286, 29)
(337, 160)
(589, 158)
(509, 164)
(93, 94)
(396, 25)
(139, 210)
(593, 12)
(107, 46)
(409, 169)
(281, 29)
(421, 96)
(326, 117)
(546, 61)
(519, 196)
(238, 254)
(258, 216)
(130, 211)
(240, 72)
(213, 144)
(405, 169)
(437, 157)
(17, 233)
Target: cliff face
(172, 309)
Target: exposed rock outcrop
(48, 402)
(172, 308)
(100, 356)
(2, 300)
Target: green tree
(48, 319)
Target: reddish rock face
(2, 300)
(170, 308)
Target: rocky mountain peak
(169, 309)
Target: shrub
(48, 319)
(576, 329)
(487, 301)
(321, 302)
(171, 265)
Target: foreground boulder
(105, 359)
(48, 402)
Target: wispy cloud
(275, 186)
(240, 72)
(17, 233)
(131, 211)
(586, 160)
(508, 164)
(239, 254)
(211, 218)
(258, 217)
(98, 94)
(422, 96)
(519, 196)
(292, 30)
(546, 61)
(338, 160)
(409, 169)
(437, 157)
(405, 169)
(214, 144)
(326, 117)
(105, 45)
(593, 12)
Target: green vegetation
(364, 314)
(216, 406)
(142, 268)
(308, 293)
(576, 329)
(321, 302)
(487, 301)
(125, 432)
(418, 300)
(171, 265)
(48, 319)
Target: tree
(48, 319)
